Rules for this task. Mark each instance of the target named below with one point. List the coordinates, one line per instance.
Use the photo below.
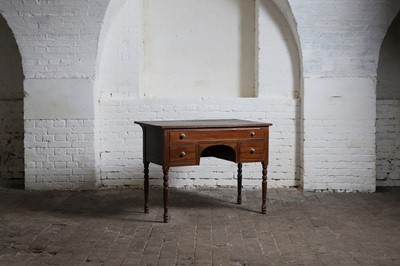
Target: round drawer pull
(252, 151)
(252, 133)
(182, 136)
(182, 154)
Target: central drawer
(215, 135)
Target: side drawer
(216, 134)
(252, 151)
(183, 154)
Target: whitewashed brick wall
(59, 154)
(119, 65)
(339, 44)
(121, 140)
(57, 39)
(279, 67)
(342, 38)
(339, 134)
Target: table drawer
(214, 135)
(252, 151)
(183, 154)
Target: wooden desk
(182, 143)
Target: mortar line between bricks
(195, 238)
(162, 244)
(38, 235)
(259, 243)
(276, 244)
(145, 244)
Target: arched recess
(117, 94)
(280, 76)
(117, 71)
(117, 77)
(388, 109)
(278, 54)
(11, 110)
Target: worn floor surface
(206, 228)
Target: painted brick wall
(11, 110)
(342, 37)
(59, 154)
(279, 67)
(339, 134)
(57, 39)
(339, 45)
(119, 69)
(121, 140)
(340, 42)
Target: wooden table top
(214, 123)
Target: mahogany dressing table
(183, 142)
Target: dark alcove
(11, 110)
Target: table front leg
(239, 184)
(166, 193)
(146, 187)
(264, 189)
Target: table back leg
(146, 187)
(166, 194)
(239, 184)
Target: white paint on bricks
(339, 98)
(336, 39)
(56, 162)
(199, 48)
(339, 134)
(278, 58)
(121, 140)
(58, 99)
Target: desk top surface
(189, 124)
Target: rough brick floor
(206, 228)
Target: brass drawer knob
(182, 136)
(252, 133)
(252, 150)
(182, 154)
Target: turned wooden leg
(146, 187)
(166, 194)
(264, 189)
(239, 184)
